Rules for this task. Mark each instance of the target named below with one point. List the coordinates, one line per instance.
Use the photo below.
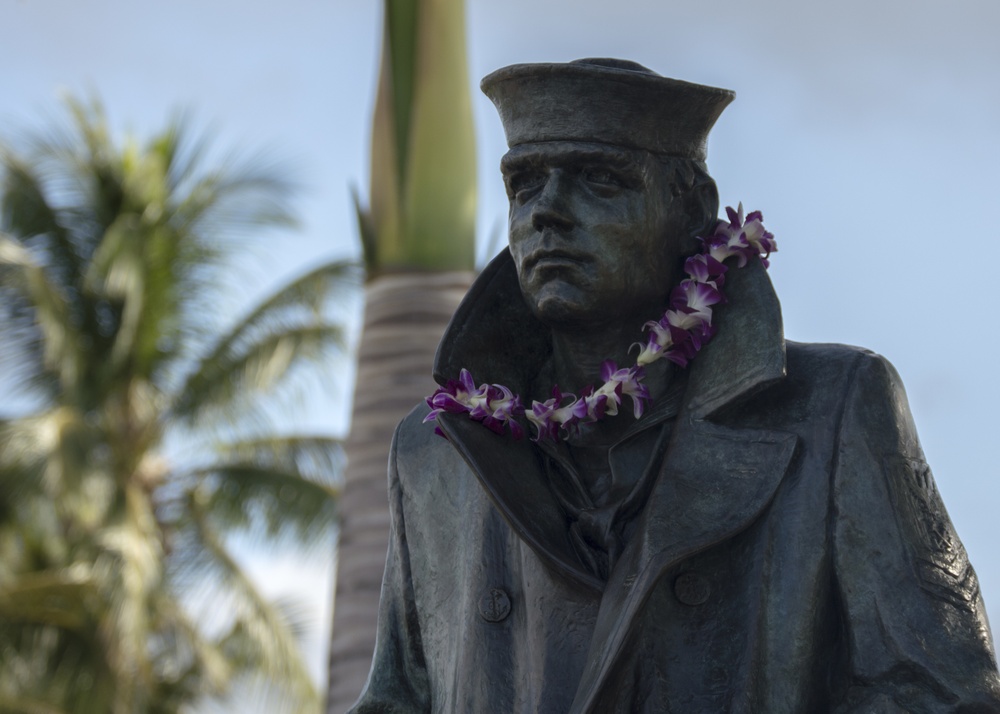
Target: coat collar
(495, 336)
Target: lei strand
(678, 336)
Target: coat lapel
(495, 337)
(715, 480)
(512, 474)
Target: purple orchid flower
(552, 415)
(503, 407)
(741, 237)
(617, 382)
(683, 330)
(696, 298)
(685, 321)
(705, 269)
(758, 236)
(600, 403)
(494, 405)
(726, 244)
(455, 396)
(662, 336)
(626, 381)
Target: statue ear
(702, 208)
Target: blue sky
(865, 130)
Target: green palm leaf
(115, 505)
(252, 368)
(53, 597)
(23, 274)
(423, 175)
(263, 346)
(289, 484)
(259, 627)
(24, 705)
(25, 212)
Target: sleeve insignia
(940, 559)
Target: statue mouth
(554, 257)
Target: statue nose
(550, 209)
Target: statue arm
(914, 624)
(397, 683)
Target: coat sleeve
(914, 625)
(397, 682)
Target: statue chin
(561, 306)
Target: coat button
(494, 605)
(692, 589)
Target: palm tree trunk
(405, 316)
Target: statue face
(591, 231)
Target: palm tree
(139, 441)
(419, 244)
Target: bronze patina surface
(767, 538)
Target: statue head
(607, 184)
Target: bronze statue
(766, 537)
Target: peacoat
(791, 554)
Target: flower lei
(683, 330)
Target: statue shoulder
(418, 452)
(412, 434)
(841, 367)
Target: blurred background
(866, 132)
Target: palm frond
(297, 304)
(21, 271)
(45, 452)
(244, 370)
(320, 458)
(312, 290)
(187, 662)
(52, 669)
(110, 254)
(290, 485)
(260, 630)
(24, 705)
(249, 495)
(25, 211)
(245, 193)
(23, 454)
(55, 597)
(366, 233)
(181, 151)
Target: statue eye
(601, 177)
(524, 181)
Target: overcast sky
(865, 130)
